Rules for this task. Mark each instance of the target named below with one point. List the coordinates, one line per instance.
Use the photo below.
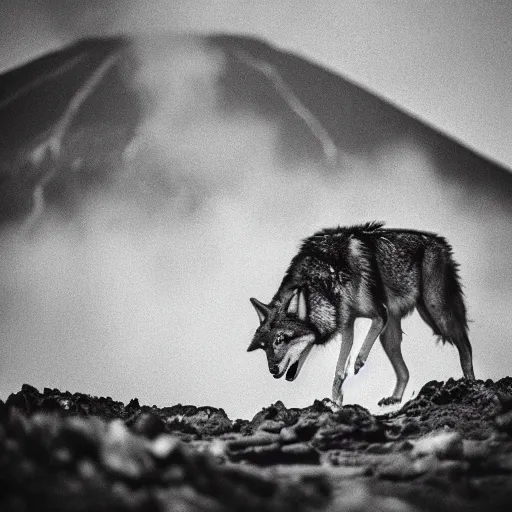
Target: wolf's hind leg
(444, 302)
(454, 332)
(465, 355)
(459, 338)
(425, 315)
(391, 340)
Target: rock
(202, 421)
(468, 407)
(83, 438)
(271, 426)
(303, 430)
(289, 435)
(392, 504)
(133, 404)
(86, 469)
(276, 412)
(358, 497)
(351, 426)
(301, 453)
(149, 425)
(123, 455)
(504, 422)
(500, 463)
(211, 470)
(259, 439)
(401, 427)
(475, 450)
(258, 454)
(217, 449)
(331, 434)
(265, 450)
(354, 498)
(505, 401)
(445, 445)
(174, 474)
(389, 447)
(164, 446)
(404, 467)
(452, 468)
(240, 425)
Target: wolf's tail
(442, 301)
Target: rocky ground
(448, 449)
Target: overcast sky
(141, 308)
(449, 62)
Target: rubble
(450, 445)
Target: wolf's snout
(274, 369)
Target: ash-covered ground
(450, 448)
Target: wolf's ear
(255, 345)
(296, 304)
(262, 309)
(292, 302)
(302, 308)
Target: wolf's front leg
(377, 327)
(347, 339)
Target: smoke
(145, 292)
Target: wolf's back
(391, 262)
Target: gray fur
(365, 271)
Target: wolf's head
(285, 334)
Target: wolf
(367, 271)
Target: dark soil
(447, 449)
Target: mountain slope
(150, 185)
(46, 106)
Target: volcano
(68, 117)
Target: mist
(144, 292)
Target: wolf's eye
(279, 339)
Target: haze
(157, 306)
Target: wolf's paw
(358, 364)
(388, 401)
(338, 398)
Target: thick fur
(360, 266)
(374, 272)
